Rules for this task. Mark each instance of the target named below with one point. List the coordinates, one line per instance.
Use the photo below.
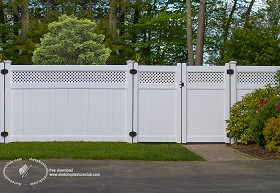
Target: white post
(135, 102)
(230, 93)
(1, 103)
(184, 102)
(233, 79)
(181, 79)
(227, 100)
(132, 101)
(7, 113)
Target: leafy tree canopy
(71, 41)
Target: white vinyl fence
(129, 103)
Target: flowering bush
(244, 114)
(266, 109)
(256, 111)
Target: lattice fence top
(68, 77)
(255, 77)
(157, 77)
(206, 78)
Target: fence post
(132, 101)
(181, 103)
(184, 103)
(233, 78)
(7, 102)
(1, 102)
(230, 94)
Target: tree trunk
(90, 9)
(200, 33)
(248, 13)
(24, 19)
(47, 14)
(136, 17)
(227, 27)
(113, 19)
(2, 16)
(189, 34)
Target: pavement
(221, 176)
(218, 152)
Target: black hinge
(4, 71)
(230, 71)
(133, 71)
(4, 134)
(132, 134)
(182, 84)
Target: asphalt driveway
(142, 176)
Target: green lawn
(97, 151)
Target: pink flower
(278, 107)
(263, 102)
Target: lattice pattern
(157, 77)
(206, 78)
(255, 77)
(68, 77)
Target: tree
(71, 41)
(200, 33)
(226, 30)
(113, 18)
(189, 34)
(257, 42)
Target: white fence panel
(1, 103)
(206, 97)
(69, 103)
(158, 104)
(250, 78)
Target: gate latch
(182, 84)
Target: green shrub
(242, 113)
(277, 77)
(271, 134)
(265, 110)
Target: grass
(97, 151)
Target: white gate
(207, 103)
(158, 102)
(2, 127)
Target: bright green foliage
(151, 32)
(20, 50)
(71, 41)
(277, 77)
(272, 134)
(265, 110)
(243, 122)
(253, 47)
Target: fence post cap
(233, 62)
